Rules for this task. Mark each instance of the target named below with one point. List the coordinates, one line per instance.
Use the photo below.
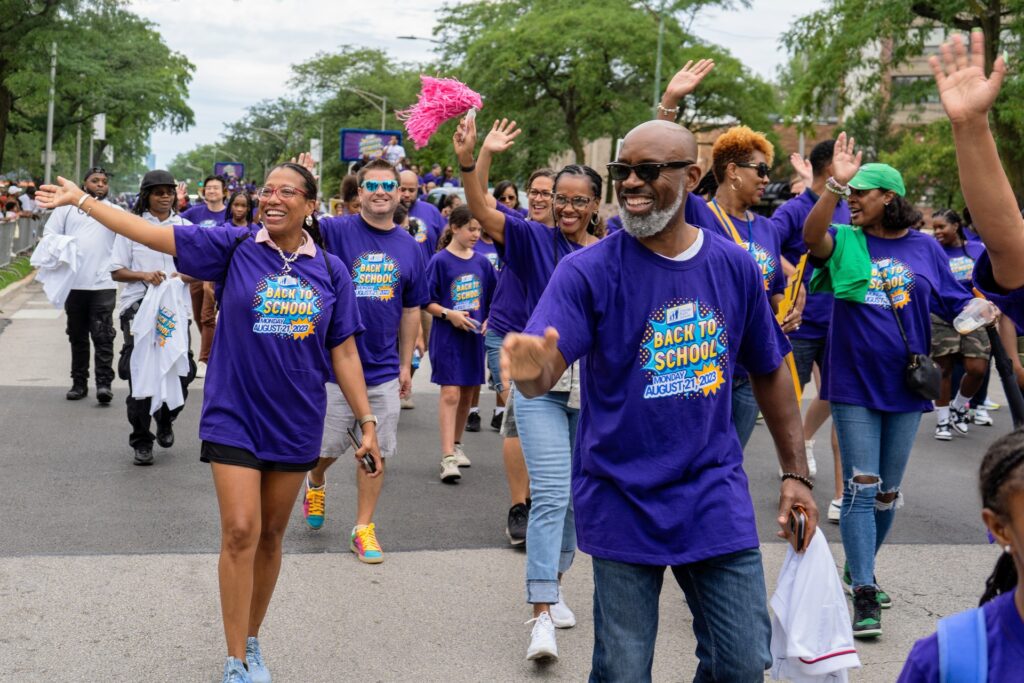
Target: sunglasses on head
(761, 168)
(374, 185)
(645, 172)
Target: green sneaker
(884, 601)
(867, 615)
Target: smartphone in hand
(368, 463)
(798, 527)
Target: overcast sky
(243, 49)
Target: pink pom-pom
(440, 99)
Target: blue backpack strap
(963, 648)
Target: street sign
(316, 149)
(99, 127)
(53, 158)
(355, 142)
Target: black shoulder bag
(922, 375)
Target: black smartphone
(368, 464)
(798, 526)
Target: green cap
(879, 176)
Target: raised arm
(682, 84)
(967, 96)
(135, 228)
(491, 220)
(845, 165)
(502, 136)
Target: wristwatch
(368, 418)
(444, 314)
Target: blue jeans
(726, 596)
(547, 430)
(492, 343)
(876, 445)
(744, 409)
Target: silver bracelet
(668, 112)
(837, 188)
(81, 201)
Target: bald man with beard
(431, 222)
(660, 313)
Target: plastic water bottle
(976, 314)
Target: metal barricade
(7, 229)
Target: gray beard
(651, 224)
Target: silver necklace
(288, 260)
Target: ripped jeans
(874, 447)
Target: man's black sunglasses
(762, 168)
(645, 172)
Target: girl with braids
(241, 211)
(140, 267)
(291, 318)
(1002, 605)
(546, 424)
(461, 285)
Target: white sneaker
(407, 403)
(542, 639)
(990, 405)
(200, 369)
(449, 469)
(812, 466)
(835, 508)
(460, 456)
(981, 417)
(561, 615)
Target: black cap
(157, 178)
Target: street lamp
(277, 135)
(429, 40)
(660, 14)
(376, 100)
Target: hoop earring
(309, 221)
(593, 219)
(733, 186)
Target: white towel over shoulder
(812, 639)
(57, 260)
(160, 356)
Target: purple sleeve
(190, 211)
(779, 279)
(922, 665)
(414, 289)
(1011, 303)
(763, 346)
(566, 305)
(791, 237)
(435, 288)
(517, 243)
(949, 297)
(204, 253)
(345, 319)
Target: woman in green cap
(885, 276)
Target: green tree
(927, 159)
(849, 46)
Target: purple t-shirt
(457, 356)
(490, 252)
(387, 269)
(431, 226)
(614, 224)
(531, 252)
(962, 260)
(1011, 303)
(203, 217)
(788, 220)
(1004, 631)
(265, 383)
(657, 463)
(865, 359)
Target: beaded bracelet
(799, 477)
(666, 111)
(836, 188)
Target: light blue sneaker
(258, 672)
(234, 671)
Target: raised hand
(464, 140)
(502, 136)
(686, 80)
(524, 356)
(845, 163)
(802, 167)
(63, 193)
(965, 92)
(305, 159)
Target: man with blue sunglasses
(387, 269)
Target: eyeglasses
(578, 203)
(508, 198)
(648, 173)
(284, 192)
(162, 191)
(761, 167)
(374, 185)
(539, 194)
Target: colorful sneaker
(990, 405)
(561, 615)
(959, 419)
(313, 505)
(363, 543)
(542, 638)
(258, 671)
(981, 417)
(867, 615)
(234, 672)
(835, 509)
(450, 469)
(473, 422)
(884, 601)
(460, 456)
(943, 432)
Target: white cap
(13, 189)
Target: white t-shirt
(394, 153)
(140, 258)
(160, 355)
(95, 243)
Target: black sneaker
(77, 392)
(867, 614)
(473, 423)
(165, 436)
(103, 393)
(144, 455)
(518, 516)
(496, 421)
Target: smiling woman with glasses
(506, 192)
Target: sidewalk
(423, 615)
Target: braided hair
(309, 187)
(1002, 471)
(141, 204)
(953, 218)
(596, 226)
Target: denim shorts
(492, 343)
(807, 352)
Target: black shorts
(239, 457)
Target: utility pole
(49, 113)
(78, 154)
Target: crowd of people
(630, 361)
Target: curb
(15, 286)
